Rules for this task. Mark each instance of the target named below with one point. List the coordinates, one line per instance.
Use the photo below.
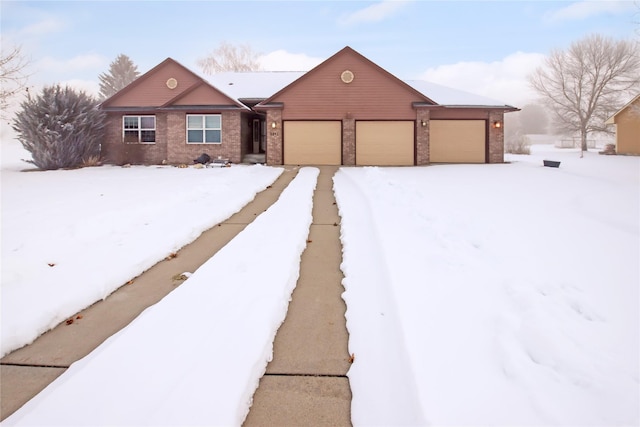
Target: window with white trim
(139, 129)
(204, 129)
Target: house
(345, 111)
(171, 115)
(627, 121)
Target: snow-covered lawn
(476, 294)
(70, 238)
(196, 357)
(494, 294)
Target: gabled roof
(265, 85)
(344, 51)
(611, 120)
(165, 97)
(261, 85)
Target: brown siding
(628, 129)
(372, 95)
(154, 90)
(203, 95)
(459, 114)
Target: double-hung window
(204, 129)
(139, 129)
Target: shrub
(518, 144)
(60, 127)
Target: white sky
(484, 47)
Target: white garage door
(312, 142)
(457, 141)
(385, 143)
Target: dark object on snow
(551, 163)
(203, 159)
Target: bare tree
(585, 84)
(13, 76)
(122, 71)
(228, 57)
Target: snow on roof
(253, 85)
(263, 84)
(445, 95)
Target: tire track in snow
(376, 337)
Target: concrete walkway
(306, 381)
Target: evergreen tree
(60, 127)
(122, 71)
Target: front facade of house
(346, 111)
(627, 121)
(170, 115)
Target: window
(139, 129)
(204, 129)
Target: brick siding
(348, 142)
(422, 137)
(496, 138)
(274, 137)
(181, 152)
(115, 151)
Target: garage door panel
(312, 142)
(457, 141)
(385, 143)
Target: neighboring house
(627, 121)
(345, 111)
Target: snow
(264, 84)
(445, 95)
(494, 294)
(476, 294)
(197, 356)
(253, 85)
(99, 228)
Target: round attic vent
(347, 76)
(172, 83)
